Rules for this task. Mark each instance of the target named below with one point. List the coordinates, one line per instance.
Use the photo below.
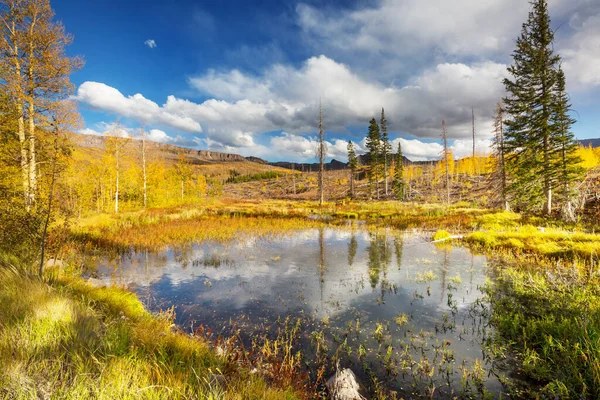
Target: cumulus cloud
(463, 27)
(150, 43)
(287, 98)
(103, 97)
(581, 51)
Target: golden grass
(67, 339)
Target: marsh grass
(553, 321)
(555, 244)
(158, 233)
(67, 339)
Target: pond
(402, 313)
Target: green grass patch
(552, 320)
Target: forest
(131, 268)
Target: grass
(551, 243)
(151, 231)
(67, 339)
(552, 321)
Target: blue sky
(246, 77)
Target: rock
(97, 283)
(343, 386)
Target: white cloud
(405, 27)
(286, 98)
(581, 52)
(156, 135)
(106, 98)
(150, 43)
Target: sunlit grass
(546, 242)
(68, 339)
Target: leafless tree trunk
(294, 177)
(500, 128)
(50, 200)
(321, 152)
(117, 180)
(473, 127)
(351, 184)
(144, 165)
(446, 158)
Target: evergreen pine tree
(352, 165)
(528, 139)
(386, 149)
(567, 160)
(373, 144)
(399, 184)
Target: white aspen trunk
(32, 157)
(21, 123)
(31, 100)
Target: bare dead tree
(321, 152)
(144, 165)
(500, 153)
(446, 159)
(294, 177)
(473, 126)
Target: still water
(393, 307)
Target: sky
(247, 77)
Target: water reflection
(359, 282)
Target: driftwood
(448, 238)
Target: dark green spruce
(399, 184)
(374, 145)
(533, 139)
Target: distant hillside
(168, 151)
(592, 142)
(333, 165)
(209, 163)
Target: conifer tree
(386, 149)
(352, 165)
(528, 139)
(399, 184)
(567, 160)
(373, 144)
